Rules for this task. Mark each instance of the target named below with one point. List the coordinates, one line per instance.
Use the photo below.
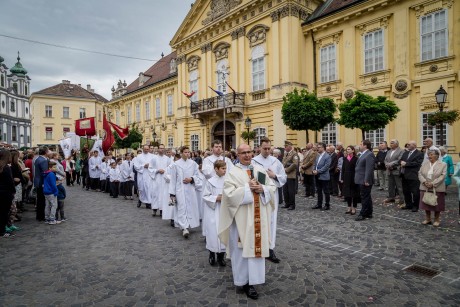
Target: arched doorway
(218, 134)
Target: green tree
(367, 113)
(304, 111)
(245, 135)
(133, 137)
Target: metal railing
(217, 103)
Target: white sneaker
(58, 222)
(185, 233)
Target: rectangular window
(48, 133)
(258, 74)
(433, 35)
(329, 134)
(117, 117)
(99, 115)
(170, 142)
(65, 112)
(14, 136)
(328, 63)
(195, 142)
(138, 113)
(170, 105)
(48, 111)
(433, 132)
(147, 110)
(82, 113)
(373, 51)
(65, 129)
(260, 133)
(375, 136)
(129, 115)
(194, 88)
(157, 108)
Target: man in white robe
(127, 174)
(159, 193)
(245, 216)
(275, 171)
(182, 190)
(94, 164)
(144, 180)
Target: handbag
(430, 198)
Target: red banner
(108, 136)
(122, 132)
(85, 127)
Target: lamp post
(247, 123)
(154, 136)
(441, 98)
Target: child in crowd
(212, 196)
(50, 191)
(115, 175)
(121, 185)
(60, 203)
(127, 173)
(105, 167)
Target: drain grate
(421, 270)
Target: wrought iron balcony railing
(212, 104)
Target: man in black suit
(364, 176)
(333, 173)
(411, 162)
(40, 166)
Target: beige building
(262, 49)
(55, 109)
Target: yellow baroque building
(252, 52)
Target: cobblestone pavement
(110, 253)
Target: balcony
(233, 103)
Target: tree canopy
(133, 137)
(367, 113)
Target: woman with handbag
(432, 187)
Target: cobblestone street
(110, 253)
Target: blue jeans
(50, 208)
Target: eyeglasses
(245, 153)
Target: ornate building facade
(15, 123)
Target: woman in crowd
(450, 165)
(70, 171)
(7, 190)
(432, 175)
(77, 168)
(347, 177)
(19, 180)
(29, 164)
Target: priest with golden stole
(246, 208)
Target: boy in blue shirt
(50, 190)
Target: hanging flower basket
(439, 118)
(248, 135)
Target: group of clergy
(236, 204)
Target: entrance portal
(218, 134)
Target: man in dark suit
(333, 171)
(411, 162)
(40, 166)
(364, 176)
(321, 172)
(291, 166)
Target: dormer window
(172, 66)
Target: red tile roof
(157, 72)
(70, 90)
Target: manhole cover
(421, 270)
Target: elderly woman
(350, 190)
(450, 165)
(432, 175)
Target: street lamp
(441, 98)
(247, 123)
(154, 135)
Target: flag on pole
(122, 132)
(85, 127)
(216, 91)
(230, 87)
(66, 145)
(108, 138)
(189, 95)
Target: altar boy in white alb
(144, 180)
(245, 216)
(159, 194)
(182, 189)
(275, 171)
(212, 196)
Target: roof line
(309, 21)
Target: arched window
(260, 133)
(194, 142)
(258, 68)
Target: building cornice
(35, 96)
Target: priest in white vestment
(244, 226)
(159, 193)
(275, 171)
(94, 165)
(182, 188)
(144, 180)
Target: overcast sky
(136, 28)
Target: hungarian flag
(216, 91)
(108, 138)
(122, 132)
(188, 95)
(85, 127)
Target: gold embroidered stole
(257, 226)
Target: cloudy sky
(135, 28)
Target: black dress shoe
(325, 208)
(139, 204)
(221, 259)
(360, 218)
(317, 207)
(414, 209)
(286, 206)
(154, 212)
(250, 292)
(406, 208)
(212, 258)
(291, 208)
(369, 216)
(172, 223)
(273, 257)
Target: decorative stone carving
(206, 47)
(257, 35)
(295, 11)
(348, 94)
(374, 79)
(430, 7)
(434, 68)
(219, 8)
(237, 33)
(180, 59)
(328, 88)
(401, 88)
(374, 24)
(275, 15)
(401, 85)
(221, 50)
(192, 62)
(284, 11)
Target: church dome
(17, 69)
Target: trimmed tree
(133, 137)
(304, 111)
(367, 113)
